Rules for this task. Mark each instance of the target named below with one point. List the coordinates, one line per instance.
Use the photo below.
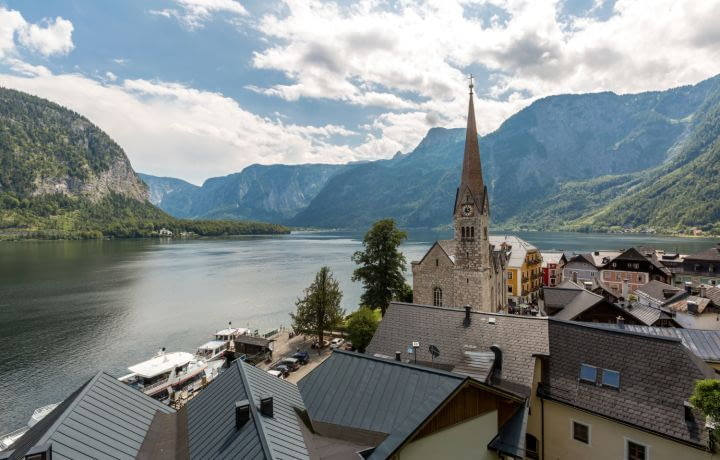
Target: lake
(71, 308)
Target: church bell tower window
(437, 297)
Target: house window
(510, 275)
(531, 446)
(611, 378)
(581, 432)
(635, 451)
(588, 373)
(510, 289)
(437, 297)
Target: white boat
(7, 440)
(165, 373)
(230, 333)
(212, 350)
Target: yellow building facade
(524, 268)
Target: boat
(230, 333)
(165, 373)
(7, 440)
(212, 350)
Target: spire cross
(471, 83)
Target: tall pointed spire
(472, 171)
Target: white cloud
(110, 76)
(49, 37)
(422, 48)
(172, 129)
(193, 14)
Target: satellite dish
(434, 351)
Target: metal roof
(704, 344)
(103, 419)
(519, 338)
(363, 392)
(211, 417)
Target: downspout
(542, 426)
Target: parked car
(302, 356)
(283, 369)
(276, 373)
(336, 342)
(291, 363)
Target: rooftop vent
(491, 320)
(692, 307)
(621, 322)
(466, 321)
(266, 406)
(398, 356)
(242, 413)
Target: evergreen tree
(381, 265)
(320, 308)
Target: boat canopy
(211, 345)
(233, 331)
(164, 362)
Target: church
(466, 270)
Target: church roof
(472, 178)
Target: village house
(632, 269)
(524, 268)
(585, 267)
(552, 266)
(467, 270)
(700, 268)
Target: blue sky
(200, 88)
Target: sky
(202, 88)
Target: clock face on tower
(467, 210)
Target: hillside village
(505, 352)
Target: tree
(706, 397)
(320, 307)
(361, 327)
(381, 265)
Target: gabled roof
(658, 291)
(345, 391)
(211, 417)
(710, 254)
(642, 253)
(559, 297)
(648, 398)
(446, 246)
(444, 327)
(681, 304)
(104, 418)
(581, 258)
(518, 248)
(705, 344)
(583, 301)
(552, 257)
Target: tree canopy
(381, 265)
(361, 327)
(319, 309)
(706, 397)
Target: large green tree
(320, 308)
(381, 265)
(361, 326)
(706, 397)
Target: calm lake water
(71, 308)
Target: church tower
(466, 270)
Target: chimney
(621, 322)
(588, 285)
(625, 289)
(398, 356)
(597, 253)
(497, 364)
(703, 291)
(688, 287)
(242, 413)
(266, 406)
(692, 307)
(466, 321)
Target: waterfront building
(466, 270)
(700, 268)
(524, 268)
(632, 269)
(552, 266)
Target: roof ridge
(253, 410)
(462, 310)
(614, 330)
(394, 362)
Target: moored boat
(165, 373)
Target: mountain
(598, 161)
(272, 193)
(63, 177)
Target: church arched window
(462, 230)
(472, 232)
(437, 297)
(485, 232)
